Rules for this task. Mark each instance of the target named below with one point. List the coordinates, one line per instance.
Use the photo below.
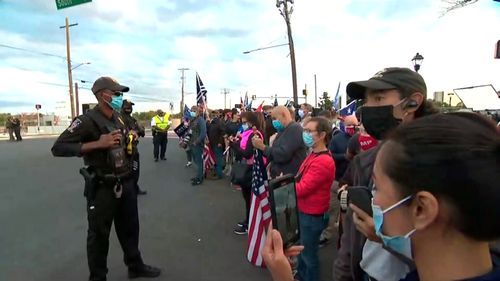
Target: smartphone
(361, 196)
(284, 211)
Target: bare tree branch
(455, 4)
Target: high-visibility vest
(159, 124)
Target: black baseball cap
(108, 83)
(127, 103)
(403, 79)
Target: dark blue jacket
(493, 275)
(338, 148)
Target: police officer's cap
(108, 83)
(127, 103)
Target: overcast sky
(143, 43)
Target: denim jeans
(197, 151)
(311, 227)
(219, 160)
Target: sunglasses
(117, 93)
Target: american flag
(260, 211)
(208, 158)
(201, 92)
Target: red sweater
(313, 183)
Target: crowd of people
(433, 178)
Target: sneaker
(188, 164)
(144, 271)
(164, 158)
(240, 230)
(156, 159)
(196, 182)
(242, 224)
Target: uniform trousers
(102, 211)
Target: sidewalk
(5, 137)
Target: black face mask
(379, 120)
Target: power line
(31, 51)
(34, 52)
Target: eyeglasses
(117, 93)
(309, 131)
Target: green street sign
(61, 4)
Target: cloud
(144, 44)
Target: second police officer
(132, 124)
(100, 137)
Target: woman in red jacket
(313, 182)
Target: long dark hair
(456, 157)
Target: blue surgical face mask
(308, 139)
(193, 114)
(244, 126)
(400, 244)
(301, 113)
(116, 103)
(278, 126)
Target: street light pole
(315, 92)
(286, 11)
(70, 75)
(183, 78)
(417, 61)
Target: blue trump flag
(187, 113)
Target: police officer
(100, 137)
(132, 124)
(160, 125)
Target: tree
(325, 102)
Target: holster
(90, 178)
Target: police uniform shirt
(83, 130)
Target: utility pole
(183, 79)
(70, 74)
(77, 100)
(286, 12)
(315, 92)
(225, 92)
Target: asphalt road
(185, 230)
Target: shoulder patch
(76, 123)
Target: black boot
(143, 271)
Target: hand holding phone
(284, 211)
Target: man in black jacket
(216, 133)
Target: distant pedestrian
(16, 125)
(9, 125)
(160, 125)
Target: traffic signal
(254, 97)
(304, 92)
